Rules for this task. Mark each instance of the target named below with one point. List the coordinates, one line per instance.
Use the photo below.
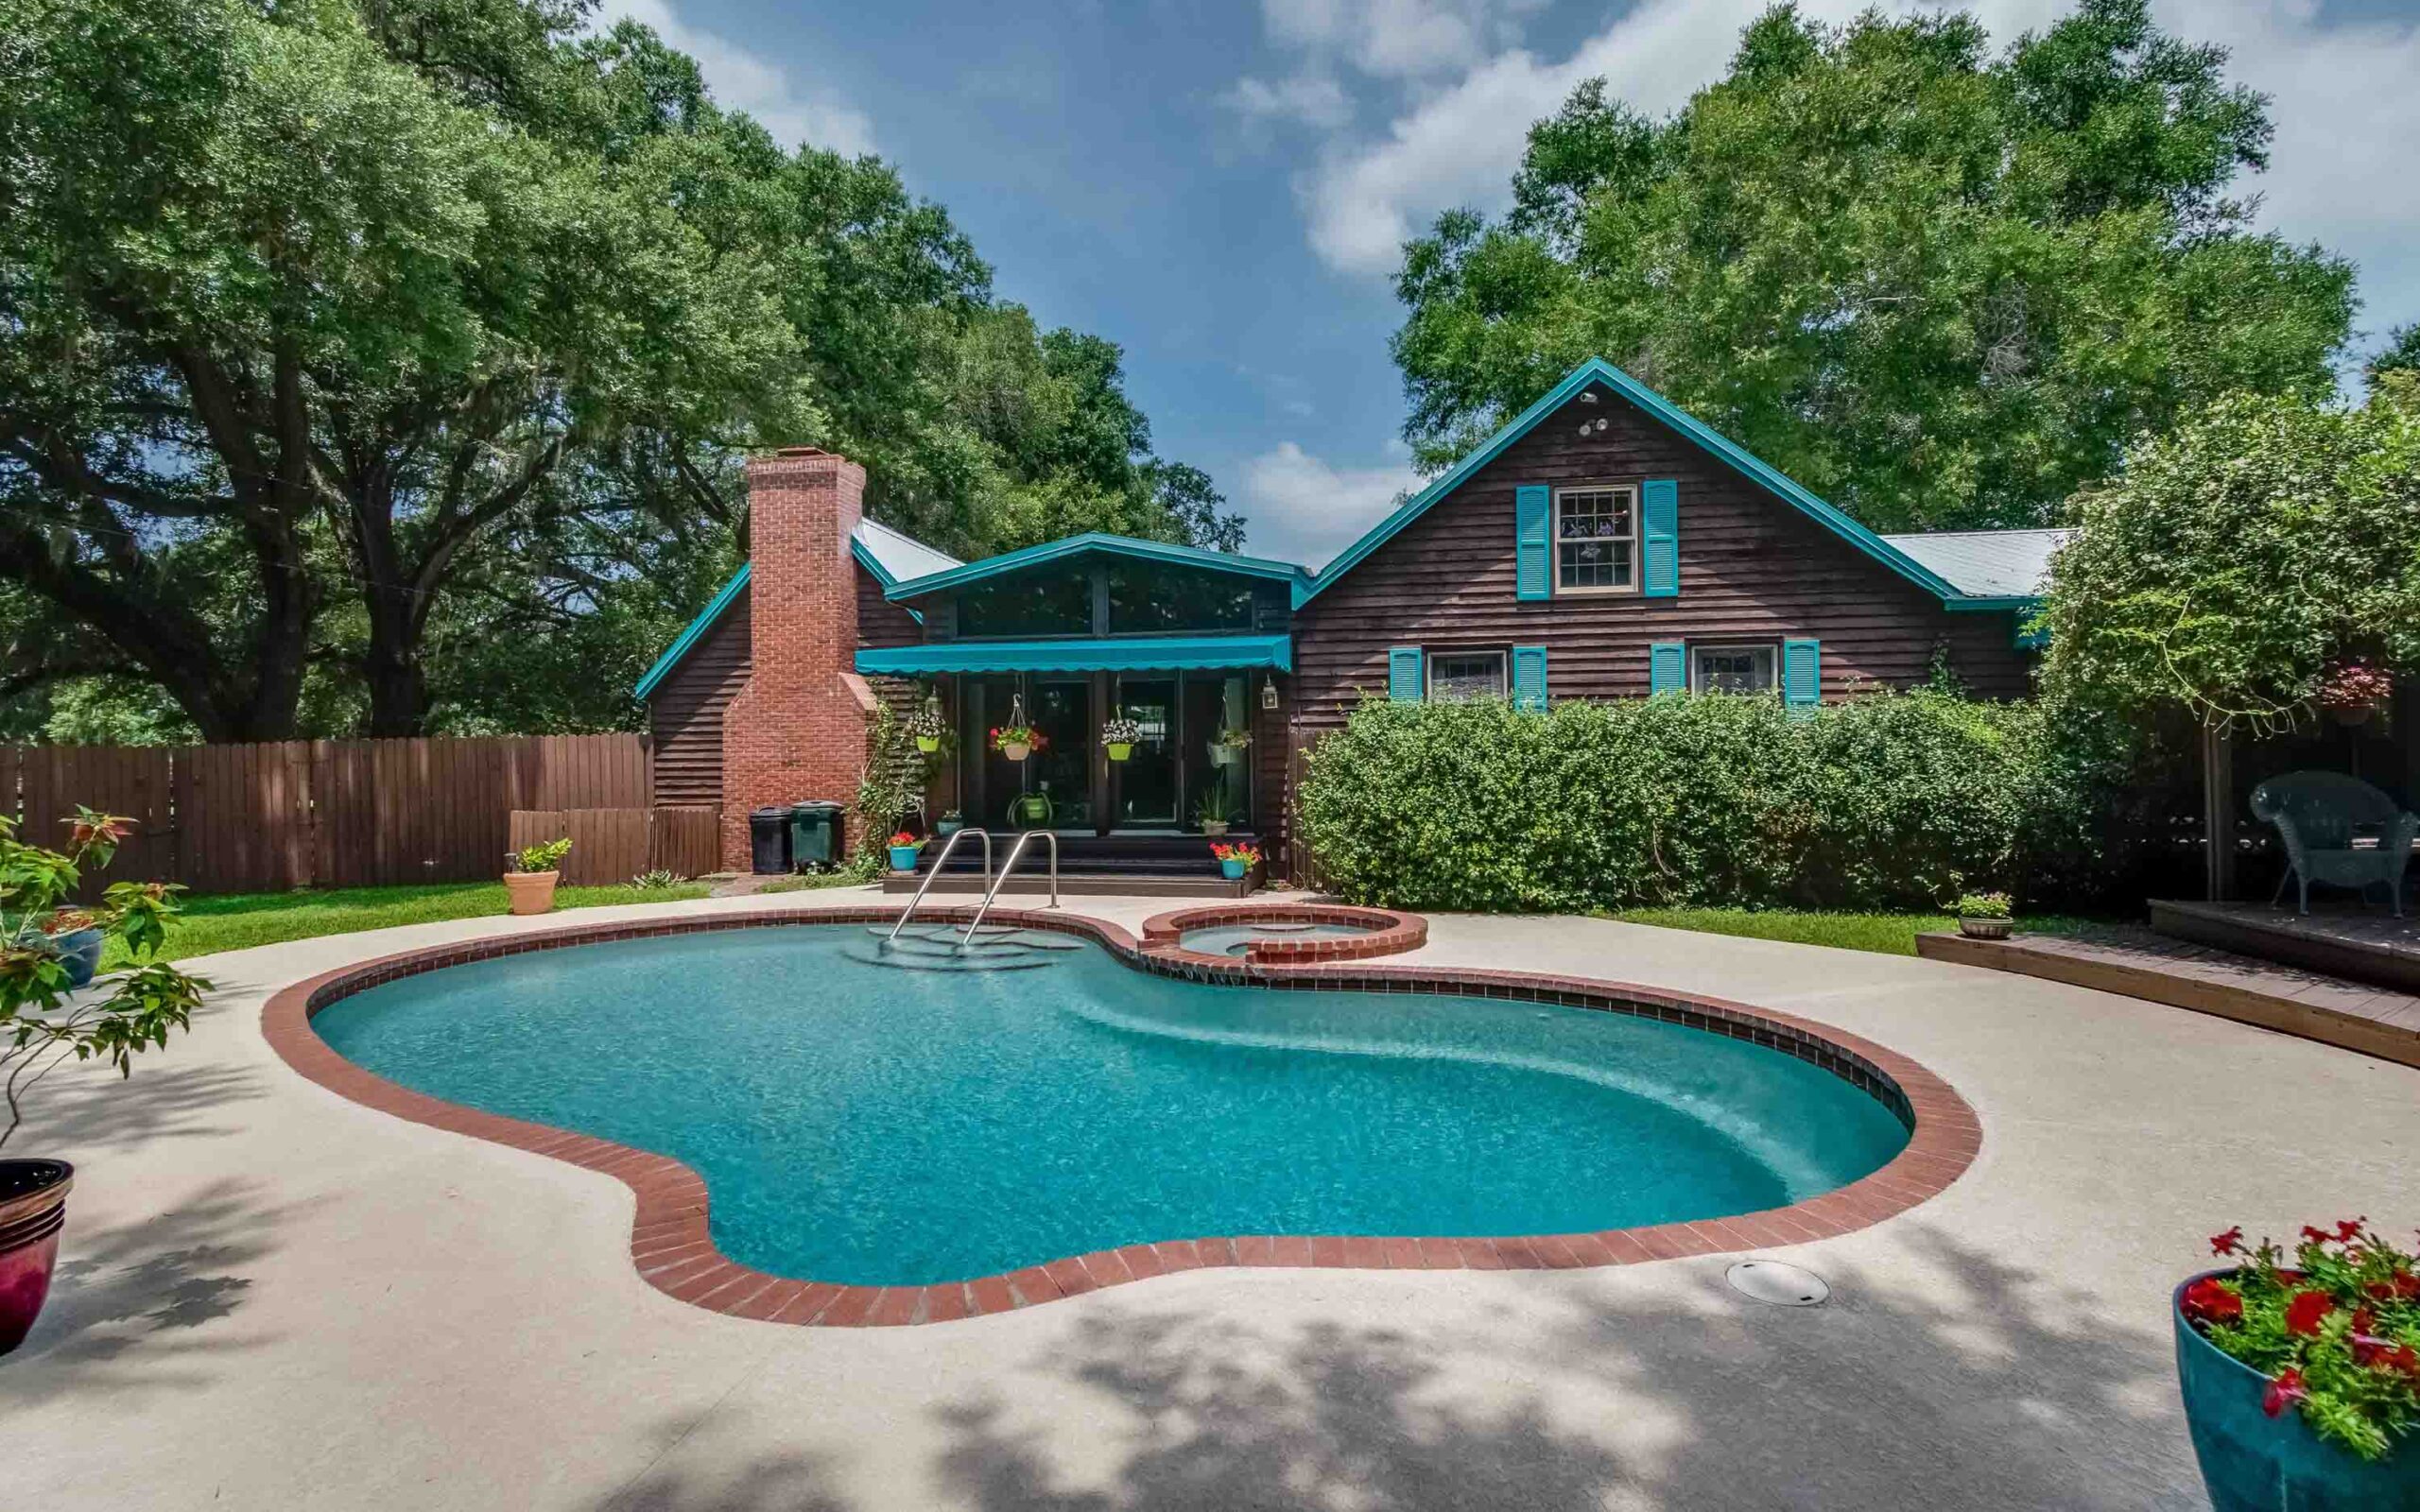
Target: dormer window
(1596, 541)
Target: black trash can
(769, 841)
(815, 834)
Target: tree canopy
(1942, 287)
(345, 344)
(2236, 564)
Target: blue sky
(1221, 188)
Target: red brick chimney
(798, 729)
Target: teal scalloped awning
(1140, 653)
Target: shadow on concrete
(789, 1482)
(84, 1112)
(133, 1307)
(1658, 1390)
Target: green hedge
(1891, 800)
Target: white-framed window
(1735, 668)
(1456, 675)
(1595, 539)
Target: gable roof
(1597, 370)
(2014, 564)
(880, 550)
(1091, 540)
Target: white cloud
(1303, 509)
(1311, 98)
(743, 80)
(2341, 97)
(1396, 38)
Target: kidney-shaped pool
(855, 1121)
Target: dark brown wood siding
(1752, 569)
(881, 622)
(685, 713)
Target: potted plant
(1031, 808)
(904, 847)
(77, 940)
(531, 874)
(949, 824)
(41, 1025)
(2302, 1383)
(1118, 736)
(2353, 691)
(1984, 915)
(1228, 746)
(1210, 809)
(1017, 742)
(1235, 860)
(929, 728)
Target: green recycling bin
(815, 835)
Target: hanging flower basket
(1119, 737)
(1228, 746)
(2353, 692)
(1017, 742)
(929, 728)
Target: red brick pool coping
(1389, 933)
(674, 1251)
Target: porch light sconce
(1588, 396)
(1269, 692)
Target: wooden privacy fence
(325, 813)
(614, 845)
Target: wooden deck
(2136, 963)
(2359, 944)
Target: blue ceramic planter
(2252, 1462)
(903, 858)
(1232, 870)
(80, 953)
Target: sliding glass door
(1143, 787)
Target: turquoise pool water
(862, 1123)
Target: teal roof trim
(697, 627)
(1138, 653)
(1051, 551)
(1597, 370)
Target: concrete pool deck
(270, 1298)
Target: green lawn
(234, 921)
(1889, 934)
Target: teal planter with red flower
(2254, 1462)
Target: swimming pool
(864, 1124)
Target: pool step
(936, 947)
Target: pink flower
(2283, 1391)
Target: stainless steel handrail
(1010, 864)
(934, 875)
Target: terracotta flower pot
(1017, 750)
(531, 892)
(33, 1209)
(2252, 1462)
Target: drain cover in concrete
(1774, 1282)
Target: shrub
(1891, 800)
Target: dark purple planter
(33, 1209)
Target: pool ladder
(990, 884)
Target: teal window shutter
(1802, 673)
(1667, 668)
(1403, 673)
(1660, 512)
(1532, 553)
(1529, 678)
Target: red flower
(2283, 1392)
(2404, 1287)
(2208, 1300)
(2315, 1236)
(903, 837)
(2348, 1230)
(2304, 1312)
(2230, 1243)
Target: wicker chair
(2319, 815)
